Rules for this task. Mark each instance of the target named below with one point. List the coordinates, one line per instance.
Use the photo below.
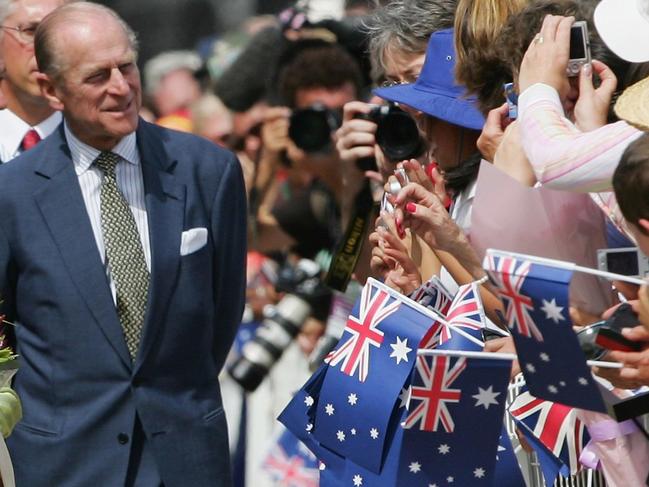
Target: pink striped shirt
(565, 158)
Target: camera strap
(344, 260)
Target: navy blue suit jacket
(77, 383)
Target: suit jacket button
(122, 438)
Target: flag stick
(506, 356)
(568, 266)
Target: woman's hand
(591, 109)
(546, 59)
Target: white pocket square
(193, 240)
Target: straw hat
(633, 105)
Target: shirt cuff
(536, 93)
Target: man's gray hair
(405, 25)
(47, 57)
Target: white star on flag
(553, 389)
(444, 449)
(486, 397)
(404, 397)
(352, 399)
(562, 383)
(374, 433)
(309, 427)
(552, 311)
(414, 467)
(308, 400)
(400, 350)
(358, 480)
(329, 409)
(340, 435)
(478, 473)
(583, 381)
(353, 431)
(450, 479)
(544, 356)
(530, 368)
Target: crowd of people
(361, 144)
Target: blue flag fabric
(536, 303)
(458, 422)
(367, 370)
(290, 463)
(508, 472)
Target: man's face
(17, 49)
(99, 91)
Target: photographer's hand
(274, 131)
(547, 56)
(355, 137)
(635, 372)
(591, 109)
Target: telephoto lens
(306, 295)
(311, 128)
(396, 133)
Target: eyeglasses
(24, 34)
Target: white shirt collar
(14, 129)
(84, 155)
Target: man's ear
(643, 224)
(49, 91)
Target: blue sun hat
(435, 92)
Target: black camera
(311, 128)
(396, 133)
(596, 339)
(306, 295)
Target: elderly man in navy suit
(122, 259)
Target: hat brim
(624, 29)
(633, 105)
(458, 111)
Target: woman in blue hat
(451, 122)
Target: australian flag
(463, 323)
(461, 448)
(366, 373)
(554, 431)
(536, 311)
(456, 441)
(291, 464)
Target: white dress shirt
(129, 182)
(13, 130)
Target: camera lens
(397, 135)
(310, 128)
(586, 338)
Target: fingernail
(410, 207)
(587, 69)
(429, 170)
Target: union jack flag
(464, 312)
(431, 387)
(556, 426)
(435, 296)
(290, 464)
(354, 353)
(509, 276)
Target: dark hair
(316, 64)
(458, 178)
(520, 29)
(631, 181)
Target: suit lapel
(61, 203)
(165, 204)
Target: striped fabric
(565, 158)
(129, 180)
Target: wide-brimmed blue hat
(435, 92)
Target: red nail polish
(410, 207)
(429, 170)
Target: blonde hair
(477, 26)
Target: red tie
(30, 139)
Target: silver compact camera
(579, 48)
(628, 261)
